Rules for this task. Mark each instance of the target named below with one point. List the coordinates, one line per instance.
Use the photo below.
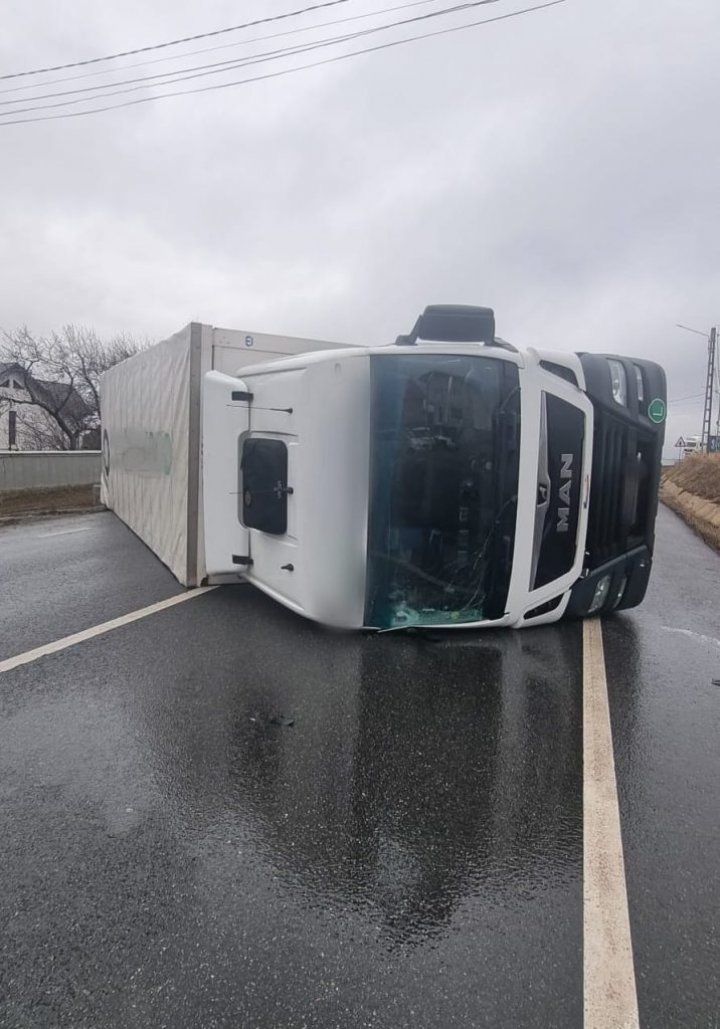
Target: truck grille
(620, 515)
(627, 445)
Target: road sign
(656, 410)
(681, 442)
(714, 445)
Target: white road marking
(608, 971)
(61, 532)
(98, 630)
(694, 635)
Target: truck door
(225, 420)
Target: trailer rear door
(226, 420)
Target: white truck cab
(447, 480)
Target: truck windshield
(445, 438)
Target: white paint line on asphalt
(61, 532)
(609, 987)
(99, 630)
(694, 635)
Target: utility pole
(709, 386)
(717, 390)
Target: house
(36, 414)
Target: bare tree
(58, 399)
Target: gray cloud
(561, 167)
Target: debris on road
(281, 720)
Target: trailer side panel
(146, 422)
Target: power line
(219, 67)
(682, 400)
(287, 71)
(226, 46)
(174, 42)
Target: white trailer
(151, 438)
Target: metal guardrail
(32, 469)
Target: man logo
(566, 474)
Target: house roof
(54, 394)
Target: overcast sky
(562, 167)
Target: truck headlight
(618, 380)
(619, 592)
(640, 383)
(600, 596)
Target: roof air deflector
(452, 323)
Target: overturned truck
(445, 480)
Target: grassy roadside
(691, 489)
(50, 500)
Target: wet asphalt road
(661, 661)
(61, 575)
(407, 853)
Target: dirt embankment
(51, 500)
(692, 489)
